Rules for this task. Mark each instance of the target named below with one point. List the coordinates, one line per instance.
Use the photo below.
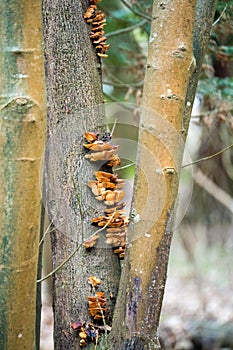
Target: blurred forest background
(198, 304)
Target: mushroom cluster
(96, 304)
(97, 20)
(101, 150)
(88, 332)
(107, 187)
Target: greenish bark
(73, 88)
(22, 124)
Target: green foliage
(127, 34)
(123, 70)
(226, 5)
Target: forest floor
(198, 302)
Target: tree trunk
(75, 106)
(21, 148)
(163, 127)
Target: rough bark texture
(22, 124)
(170, 67)
(73, 87)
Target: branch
(215, 191)
(218, 19)
(124, 167)
(111, 98)
(127, 29)
(60, 266)
(212, 112)
(119, 85)
(48, 230)
(75, 251)
(135, 11)
(208, 157)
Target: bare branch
(215, 191)
(125, 166)
(75, 251)
(111, 98)
(208, 157)
(60, 265)
(135, 11)
(212, 112)
(119, 85)
(127, 29)
(218, 19)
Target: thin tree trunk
(22, 107)
(170, 67)
(73, 88)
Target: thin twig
(212, 112)
(137, 85)
(101, 311)
(208, 157)
(124, 105)
(111, 98)
(74, 252)
(61, 265)
(102, 228)
(96, 341)
(117, 80)
(126, 30)
(124, 167)
(46, 232)
(49, 231)
(135, 11)
(114, 126)
(214, 190)
(218, 19)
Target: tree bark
(22, 108)
(75, 106)
(167, 101)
